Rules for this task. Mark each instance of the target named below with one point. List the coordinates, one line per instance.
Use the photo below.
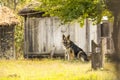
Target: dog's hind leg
(82, 56)
(78, 55)
(71, 54)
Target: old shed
(7, 27)
(44, 34)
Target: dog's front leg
(67, 57)
(65, 54)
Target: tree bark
(116, 35)
(113, 6)
(116, 41)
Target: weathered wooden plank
(103, 51)
(96, 56)
(44, 33)
(93, 34)
(87, 36)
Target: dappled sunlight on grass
(47, 69)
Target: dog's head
(66, 41)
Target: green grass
(48, 69)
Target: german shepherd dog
(72, 50)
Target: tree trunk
(113, 6)
(116, 41)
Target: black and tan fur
(72, 50)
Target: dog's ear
(68, 37)
(63, 36)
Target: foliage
(9, 3)
(22, 3)
(19, 31)
(72, 10)
(19, 39)
(14, 4)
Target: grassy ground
(47, 69)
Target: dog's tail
(83, 56)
